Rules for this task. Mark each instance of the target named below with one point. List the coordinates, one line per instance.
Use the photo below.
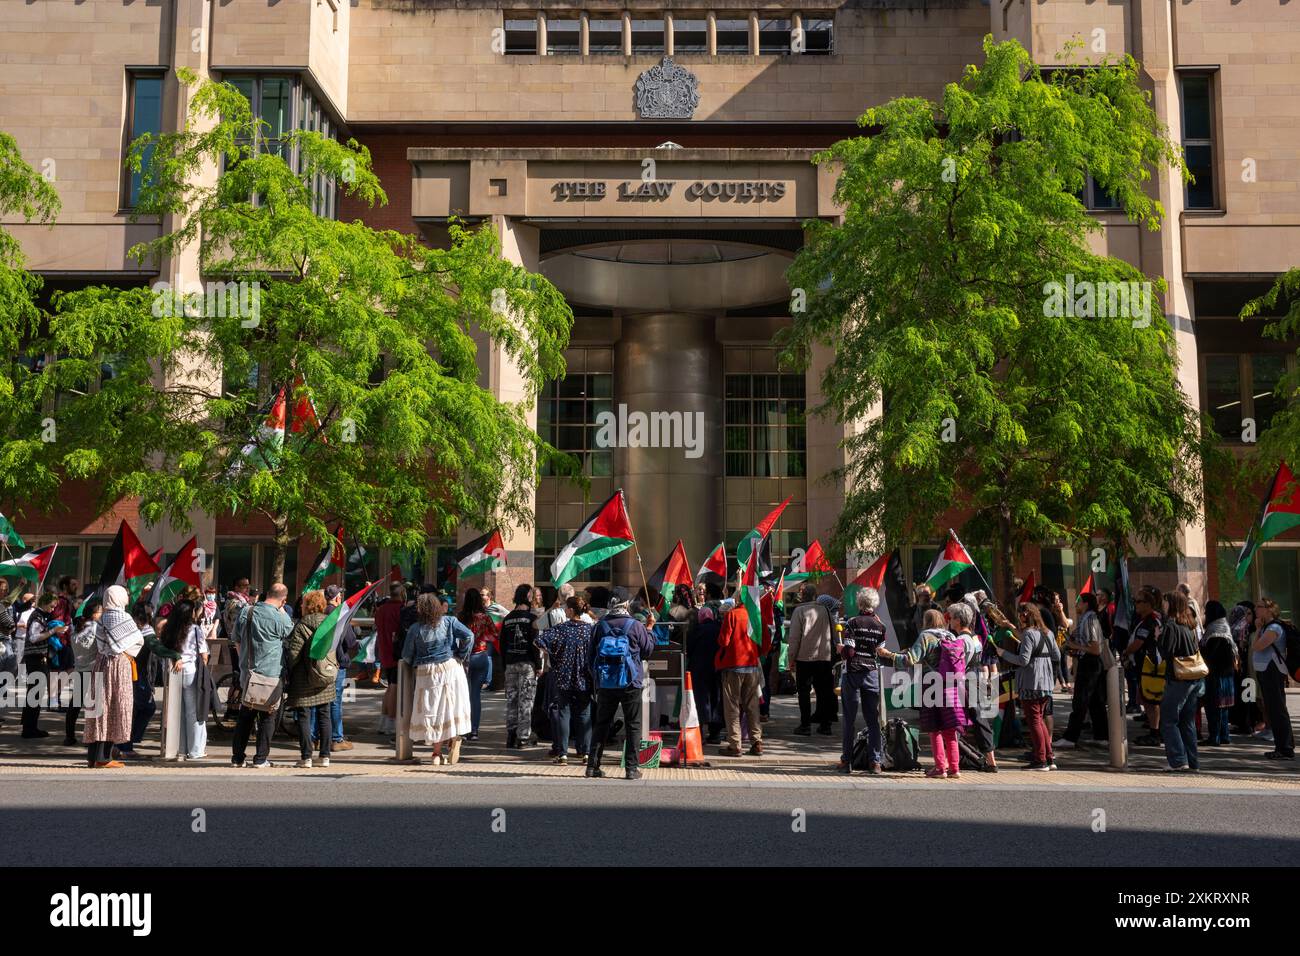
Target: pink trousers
(943, 745)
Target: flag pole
(637, 548)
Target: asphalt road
(332, 820)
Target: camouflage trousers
(521, 689)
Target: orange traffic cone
(690, 747)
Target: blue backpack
(615, 668)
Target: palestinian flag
(185, 570)
(808, 564)
(484, 554)
(304, 421)
(30, 567)
(329, 561)
(128, 564)
(605, 534)
(1089, 586)
(331, 631)
(1027, 592)
(1278, 512)
(949, 563)
(9, 534)
(675, 572)
(365, 651)
(750, 596)
(714, 569)
(756, 540)
(778, 593)
(264, 450)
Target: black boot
(593, 762)
(512, 740)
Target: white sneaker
(261, 766)
(304, 763)
(321, 761)
(1064, 744)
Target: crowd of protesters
(572, 668)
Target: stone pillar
(753, 33)
(627, 33)
(584, 34)
(499, 375)
(668, 34)
(541, 34)
(711, 32)
(824, 454)
(1161, 254)
(669, 362)
(190, 19)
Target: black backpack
(1292, 649)
(902, 747)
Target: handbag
(260, 692)
(1192, 667)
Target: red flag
(1027, 592)
(1088, 586)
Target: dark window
(733, 36)
(647, 36)
(690, 36)
(1198, 139)
(774, 36)
(1094, 197)
(521, 36)
(563, 36)
(145, 117)
(764, 433)
(1223, 395)
(818, 33)
(1266, 372)
(566, 418)
(604, 34)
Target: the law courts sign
(649, 190)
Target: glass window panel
(1223, 394)
(146, 117)
(1266, 373)
(276, 92)
(1279, 578)
(798, 465)
(1200, 163)
(571, 411)
(573, 386)
(521, 36)
(738, 413)
(737, 439)
(1196, 107)
(737, 386)
(602, 464)
(570, 437)
(818, 32)
(1058, 571)
(690, 36)
(601, 385)
(647, 36)
(562, 36)
(792, 386)
(605, 34)
(774, 35)
(765, 465)
(733, 36)
(234, 561)
(738, 464)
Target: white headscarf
(118, 632)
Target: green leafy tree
(1280, 441)
(383, 331)
(24, 194)
(1002, 392)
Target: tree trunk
(1005, 571)
(281, 550)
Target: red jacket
(735, 647)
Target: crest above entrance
(667, 91)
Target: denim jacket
(436, 643)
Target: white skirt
(440, 710)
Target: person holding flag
(741, 643)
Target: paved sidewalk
(789, 761)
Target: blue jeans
(1178, 722)
(336, 710)
(567, 708)
(194, 726)
(852, 688)
(480, 673)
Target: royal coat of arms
(667, 91)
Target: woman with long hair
(1178, 704)
(437, 647)
(311, 682)
(474, 615)
(1268, 651)
(1035, 657)
(185, 635)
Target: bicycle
(225, 708)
